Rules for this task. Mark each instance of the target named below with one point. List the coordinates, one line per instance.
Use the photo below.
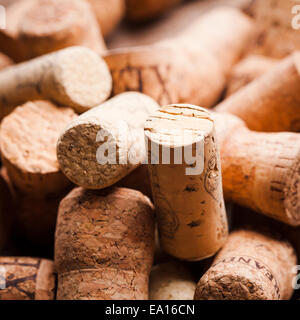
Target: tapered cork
(75, 77)
(270, 103)
(171, 281)
(185, 174)
(37, 27)
(28, 147)
(105, 144)
(201, 54)
(249, 69)
(251, 266)
(5, 61)
(260, 170)
(26, 279)
(104, 245)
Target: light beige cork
(75, 77)
(260, 170)
(26, 279)
(105, 144)
(249, 69)
(37, 27)
(189, 199)
(104, 245)
(5, 61)
(28, 147)
(171, 71)
(171, 281)
(251, 266)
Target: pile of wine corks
(166, 171)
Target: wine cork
(145, 10)
(159, 70)
(5, 61)
(28, 147)
(271, 102)
(187, 192)
(37, 27)
(26, 279)
(263, 171)
(249, 69)
(105, 144)
(251, 266)
(75, 77)
(104, 245)
(171, 281)
(109, 13)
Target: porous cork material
(189, 200)
(26, 279)
(37, 27)
(5, 61)
(249, 69)
(171, 281)
(28, 147)
(201, 54)
(260, 170)
(251, 266)
(105, 144)
(104, 245)
(271, 102)
(74, 77)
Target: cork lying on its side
(251, 266)
(171, 281)
(185, 174)
(37, 27)
(271, 102)
(105, 144)
(75, 77)
(104, 245)
(26, 279)
(28, 147)
(5, 61)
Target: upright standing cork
(187, 192)
(105, 144)
(260, 170)
(75, 77)
(251, 266)
(270, 103)
(37, 27)
(5, 61)
(104, 245)
(26, 279)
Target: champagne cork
(263, 171)
(37, 27)
(159, 70)
(105, 144)
(249, 69)
(28, 147)
(75, 77)
(26, 279)
(104, 245)
(270, 103)
(5, 61)
(171, 281)
(187, 192)
(251, 266)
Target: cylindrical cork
(185, 174)
(28, 147)
(109, 13)
(75, 77)
(26, 279)
(5, 61)
(159, 70)
(105, 144)
(44, 26)
(249, 69)
(260, 170)
(270, 103)
(104, 245)
(251, 266)
(171, 281)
